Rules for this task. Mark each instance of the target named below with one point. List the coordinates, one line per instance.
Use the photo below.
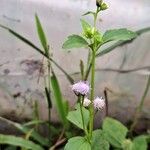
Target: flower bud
(99, 2)
(86, 102)
(103, 6)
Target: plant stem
(81, 98)
(91, 123)
(140, 106)
(92, 95)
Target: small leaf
(75, 41)
(139, 143)
(98, 141)
(17, 141)
(41, 34)
(85, 25)
(58, 99)
(114, 132)
(76, 118)
(77, 143)
(89, 13)
(118, 34)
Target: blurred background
(20, 64)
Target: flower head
(86, 102)
(99, 103)
(81, 87)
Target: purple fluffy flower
(99, 103)
(81, 88)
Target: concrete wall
(20, 63)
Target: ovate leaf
(98, 141)
(75, 41)
(77, 143)
(118, 34)
(17, 141)
(41, 34)
(85, 25)
(76, 118)
(114, 131)
(139, 143)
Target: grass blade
(58, 98)
(37, 137)
(25, 40)
(41, 34)
(17, 141)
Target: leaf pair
(76, 41)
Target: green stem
(91, 123)
(92, 95)
(81, 98)
(140, 106)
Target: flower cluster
(83, 88)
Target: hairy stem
(92, 94)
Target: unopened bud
(103, 6)
(99, 2)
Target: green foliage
(118, 34)
(41, 34)
(76, 118)
(139, 143)
(114, 132)
(17, 141)
(75, 41)
(60, 105)
(77, 143)
(87, 29)
(98, 141)
(127, 144)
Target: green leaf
(127, 144)
(118, 34)
(76, 118)
(75, 41)
(35, 135)
(139, 143)
(85, 25)
(41, 34)
(17, 141)
(98, 141)
(121, 43)
(58, 99)
(77, 143)
(114, 132)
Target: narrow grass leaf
(58, 98)
(25, 40)
(41, 34)
(17, 141)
